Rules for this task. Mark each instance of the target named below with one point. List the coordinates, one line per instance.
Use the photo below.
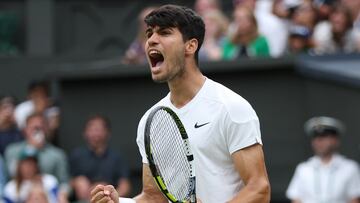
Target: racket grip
(126, 200)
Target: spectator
(244, 39)
(299, 40)
(27, 176)
(97, 162)
(324, 8)
(337, 34)
(202, 7)
(305, 15)
(8, 130)
(354, 7)
(135, 54)
(216, 25)
(327, 176)
(39, 102)
(269, 26)
(52, 160)
(2, 177)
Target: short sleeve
(242, 135)
(293, 190)
(140, 139)
(242, 127)
(354, 183)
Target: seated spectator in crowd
(216, 25)
(299, 40)
(52, 160)
(203, 7)
(97, 162)
(27, 176)
(269, 26)
(324, 8)
(3, 176)
(305, 15)
(335, 35)
(327, 176)
(37, 194)
(244, 39)
(39, 102)
(8, 129)
(354, 7)
(135, 54)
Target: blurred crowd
(34, 169)
(269, 28)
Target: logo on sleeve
(200, 125)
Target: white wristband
(126, 200)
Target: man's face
(35, 131)
(165, 51)
(6, 113)
(325, 145)
(96, 133)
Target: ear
(191, 46)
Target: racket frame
(190, 158)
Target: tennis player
(223, 128)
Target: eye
(165, 32)
(148, 34)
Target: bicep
(150, 192)
(250, 163)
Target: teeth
(152, 52)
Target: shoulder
(235, 106)
(55, 151)
(14, 148)
(78, 152)
(49, 181)
(350, 164)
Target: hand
(104, 194)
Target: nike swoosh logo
(201, 125)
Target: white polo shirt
(228, 124)
(335, 182)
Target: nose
(153, 40)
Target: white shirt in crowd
(231, 124)
(335, 182)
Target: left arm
(250, 164)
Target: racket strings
(169, 154)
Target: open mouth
(156, 58)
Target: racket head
(171, 164)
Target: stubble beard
(177, 68)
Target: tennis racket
(170, 158)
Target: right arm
(150, 192)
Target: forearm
(253, 193)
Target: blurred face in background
(340, 20)
(325, 145)
(39, 96)
(245, 24)
(305, 15)
(6, 112)
(28, 168)
(204, 6)
(35, 131)
(96, 133)
(353, 6)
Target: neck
(185, 86)
(325, 159)
(246, 39)
(99, 150)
